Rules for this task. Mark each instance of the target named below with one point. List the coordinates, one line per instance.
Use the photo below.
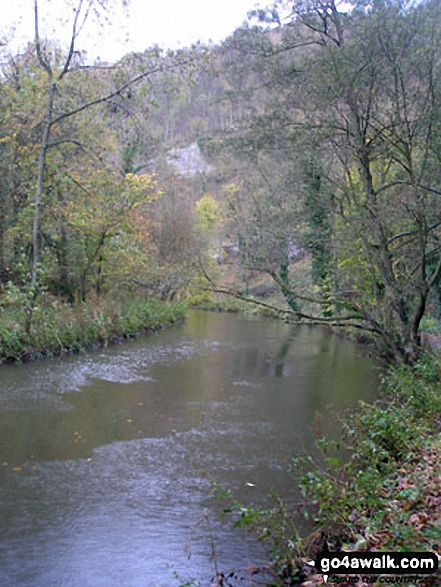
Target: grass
(58, 328)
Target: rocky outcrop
(188, 160)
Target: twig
(213, 548)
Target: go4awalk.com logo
(393, 567)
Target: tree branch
(72, 40)
(343, 322)
(41, 58)
(121, 89)
(413, 232)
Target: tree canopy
(346, 134)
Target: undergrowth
(58, 328)
(385, 496)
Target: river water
(107, 458)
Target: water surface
(106, 458)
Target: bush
(379, 487)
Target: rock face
(188, 161)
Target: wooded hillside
(320, 133)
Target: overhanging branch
(341, 321)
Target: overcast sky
(168, 23)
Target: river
(107, 458)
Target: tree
(102, 213)
(382, 91)
(67, 91)
(174, 235)
(354, 99)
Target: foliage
(100, 215)
(274, 526)
(225, 304)
(74, 192)
(324, 135)
(431, 325)
(315, 148)
(207, 212)
(381, 493)
(340, 156)
(387, 495)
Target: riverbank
(386, 497)
(61, 329)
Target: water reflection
(106, 459)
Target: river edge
(395, 442)
(387, 497)
(236, 306)
(61, 330)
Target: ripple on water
(245, 384)
(43, 383)
(122, 515)
(115, 510)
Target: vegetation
(340, 160)
(319, 125)
(80, 219)
(385, 496)
(62, 329)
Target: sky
(168, 23)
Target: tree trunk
(284, 278)
(40, 182)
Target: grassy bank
(59, 328)
(227, 304)
(386, 496)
